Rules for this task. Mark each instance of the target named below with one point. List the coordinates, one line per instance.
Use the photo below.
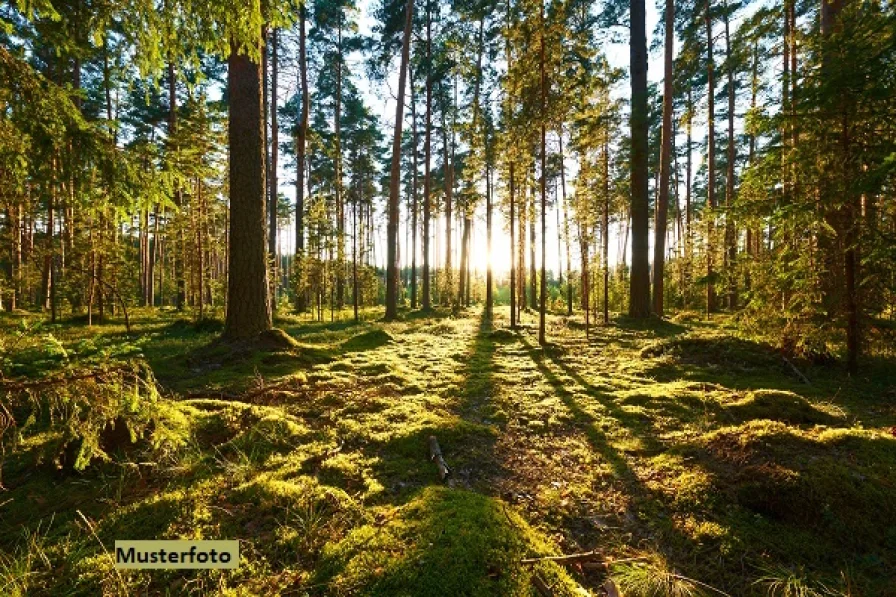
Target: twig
(702, 584)
(543, 589)
(574, 558)
(435, 454)
(797, 371)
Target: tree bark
(542, 308)
(248, 307)
(639, 298)
(272, 182)
(300, 301)
(178, 194)
(659, 243)
(395, 175)
(730, 230)
(414, 200)
(711, 162)
(427, 156)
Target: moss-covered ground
(693, 460)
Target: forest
(450, 297)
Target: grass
(693, 453)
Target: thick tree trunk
(639, 299)
(395, 175)
(248, 307)
(659, 243)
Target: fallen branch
(797, 371)
(575, 558)
(588, 558)
(435, 454)
(543, 589)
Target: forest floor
(694, 461)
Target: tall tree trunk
(659, 243)
(178, 195)
(565, 228)
(533, 266)
(449, 187)
(414, 199)
(542, 308)
(521, 250)
(639, 299)
(272, 180)
(300, 302)
(248, 307)
(427, 155)
(688, 233)
(711, 162)
(605, 227)
(340, 200)
(513, 261)
(395, 175)
(489, 282)
(844, 216)
(355, 249)
(730, 230)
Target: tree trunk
(565, 228)
(659, 243)
(272, 180)
(395, 176)
(730, 230)
(513, 261)
(340, 200)
(542, 308)
(248, 307)
(414, 200)
(449, 187)
(427, 155)
(300, 303)
(639, 299)
(711, 163)
(605, 229)
(178, 196)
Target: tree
(248, 307)
(639, 299)
(395, 175)
(659, 244)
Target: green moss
(443, 542)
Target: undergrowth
(694, 462)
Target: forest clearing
(681, 450)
